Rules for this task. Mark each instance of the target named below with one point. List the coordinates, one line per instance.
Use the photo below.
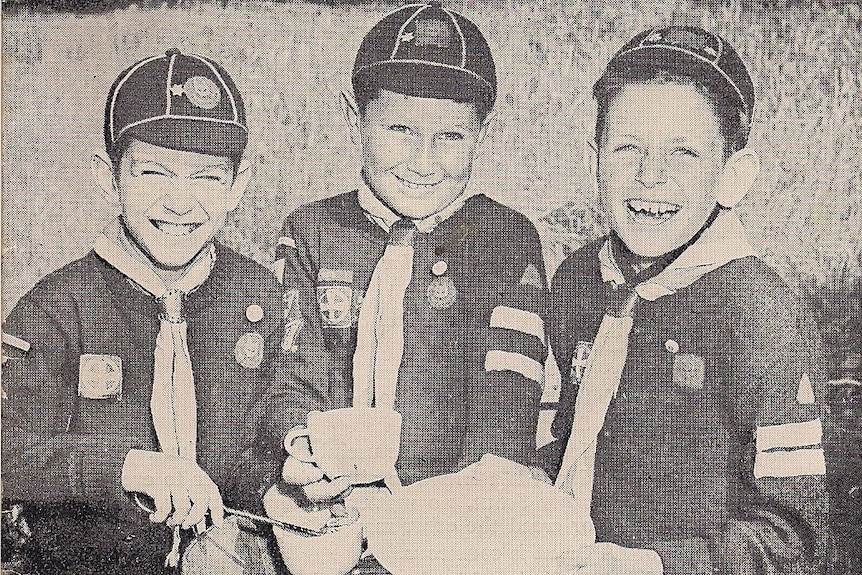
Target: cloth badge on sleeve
(335, 303)
(291, 330)
(689, 371)
(100, 376)
(579, 360)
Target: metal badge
(202, 92)
(249, 350)
(441, 292)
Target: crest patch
(579, 360)
(100, 376)
(689, 371)
(335, 304)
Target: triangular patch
(532, 277)
(805, 394)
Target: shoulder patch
(532, 277)
(16, 342)
(805, 393)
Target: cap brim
(425, 80)
(682, 62)
(214, 138)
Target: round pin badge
(442, 292)
(671, 346)
(202, 92)
(254, 313)
(249, 350)
(439, 268)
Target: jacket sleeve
(776, 387)
(305, 372)
(42, 460)
(507, 353)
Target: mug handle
(292, 436)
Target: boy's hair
(427, 51)
(178, 101)
(689, 56)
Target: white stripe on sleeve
(497, 360)
(789, 435)
(790, 463)
(286, 241)
(519, 320)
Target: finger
(326, 490)
(162, 501)
(217, 508)
(198, 510)
(296, 472)
(182, 505)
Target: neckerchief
(173, 405)
(718, 244)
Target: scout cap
(692, 52)
(427, 51)
(179, 101)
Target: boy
(137, 363)
(693, 379)
(419, 295)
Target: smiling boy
(424, 296)
(690, 421)
(138, 362)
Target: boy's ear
(240, 183)
(350, 110)
(591, 158)
(737, 177)
(486, 125)
(103, 172)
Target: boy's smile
(659, 165)
(418, 152)
(174, 202)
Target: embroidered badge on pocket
(689, 371)
(100, 376)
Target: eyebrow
(221, 166)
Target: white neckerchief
(721, 243)
(173, 405)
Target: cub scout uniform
(700, 433)
(461, 356)
(78, 391)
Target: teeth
(416, 186)
(175, 229)
(658, 209)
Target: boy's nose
(422, 162)
(178, 204)
(652, 170)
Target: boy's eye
(152, 172)
(452, 136)
(684, 152)
(400, 128)
(623, 148)
(212, 178)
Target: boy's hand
(310, 478)
(611, 559)
(182, 491)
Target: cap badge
(201, 91)
(433, 32)
(406, 37)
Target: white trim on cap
(223, 83)
(460, 34)
(180, 117)
(169, 98)
(712, 64)
(131, 71)
(403, 26)
(426, 63)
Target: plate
(492, 518)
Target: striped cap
(178, 101)
(427, 51)
(692, 52)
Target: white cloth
(173, 404)
(721, 243)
